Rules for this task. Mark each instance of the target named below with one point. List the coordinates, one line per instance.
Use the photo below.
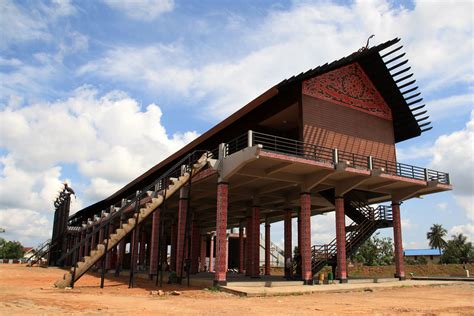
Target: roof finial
(368, 40)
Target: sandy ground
(26, 290)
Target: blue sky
(86, 85)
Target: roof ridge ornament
(367, 44)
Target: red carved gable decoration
(348, 86)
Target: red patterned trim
(348, 86)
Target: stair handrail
(323, 253)
(159, 183)
(44, 248)
(272, 244)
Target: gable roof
(391, 79)
(384, 74)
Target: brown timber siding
(335, 126)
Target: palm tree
(435, 236)
(465, 248)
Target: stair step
(113, 238)
(118, 231)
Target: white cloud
(454, 153)
(442, 206)
(142, 9)
(467, 230)
(162, 68)
(415, 152)
(27, 226)
(407, 224)
(323, 228)
(109, 138)
(17, 26)
(415, 245)
(446, 107)
(288, 42)
(26, 24)
(40, 23)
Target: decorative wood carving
(348, 86)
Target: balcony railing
(298, 148)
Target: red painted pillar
(142, 256)
(81, 248)
(227, 254)
(108, 261)
(397, 240)
(241, 248)
(110, 258)
(202, 256)
(186, 247)
(87, 243)
(305, 250)
(174, 241)
(93, 238)
(100, 241)
(341, 240)
(267, 246)
(255, 242)
(299, 231)
(195, 247)
(134, 248)
(249, 252)
(154, 245)
(68, 246)
(211, 254)
(221, 233)
(182, 211)
(287, 240)
(101, 235)
(120, 257)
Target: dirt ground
(25, 290)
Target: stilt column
(81, 248)
(155, 238)
(108, 260)
(195, 247)
(202, 256)
(341, 240)
(211, 254)
(397, 240)
(221, 233)
(142, 255)
(255, 272)
(174, 241)
(182, 212)
(248, 256)
(287, 241)
(305, 246)
(267, 246)
(241, 248)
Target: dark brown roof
(405, 123)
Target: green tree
(375, 251)
(11, 249)
(458, 250)
(436, 236)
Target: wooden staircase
(174, 184)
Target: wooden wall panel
(335, 126)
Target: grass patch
(213, 288)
